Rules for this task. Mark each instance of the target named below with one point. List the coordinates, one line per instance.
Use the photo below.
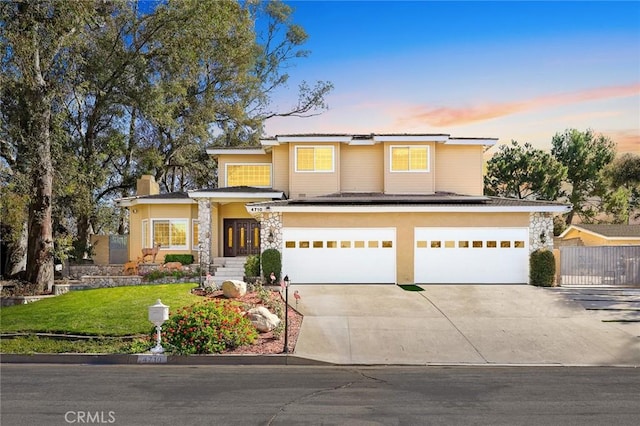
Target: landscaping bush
(542, 268)
(208, 328)
(185, 259)
(252, 266)
(158, 274)
(271, 262)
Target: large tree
(39, 41)
(521, 171)
(97, 93)
(585, 155)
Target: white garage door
(339, 255)
(471, 255)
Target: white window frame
(226, 176)
(145, 233)
(170, 220)
(427, 170)
(333, 159)
(194, 246)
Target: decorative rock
(233, 289)
(262, 319)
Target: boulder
(263, 319)
(233, 289)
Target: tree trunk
(82, 242)
(17, 258)
(40, 240)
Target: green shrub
(252, 266)
(542, 268)
(185, 259)
(271, 262)
(207, 328)
(158, 274)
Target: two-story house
(377, 208)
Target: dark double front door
(241, 237)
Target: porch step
(229, 261)
(228, 268)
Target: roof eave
(237, 195)
(408, 209)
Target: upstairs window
(409, 158)
(314, 159)
(258, 175)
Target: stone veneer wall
(204, 230)
(77, 271)
(540, 223)
(271, 222)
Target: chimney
(147, 185)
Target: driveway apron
(455, 324)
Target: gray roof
(166, 196)
(611, 231)
(437, 199)
(237, 189)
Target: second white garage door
(339, 255)
(471, 255)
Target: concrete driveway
(455, 324)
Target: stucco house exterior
(351, 208)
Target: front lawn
(119, 311)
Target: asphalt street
(36, 394)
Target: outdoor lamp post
(158, 314)
(286, 314)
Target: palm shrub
(209, 327)
(252, 266)
(271, 262)
(542, 268)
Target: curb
(118, 359)
(257, 360)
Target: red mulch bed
(266, 343)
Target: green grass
(28, 345)
(119, 311)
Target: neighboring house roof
(606, 231)
(380, 202)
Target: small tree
(271, 262)
(542, 268)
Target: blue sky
(512, 70)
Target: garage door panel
(471, 255)
(339, 255)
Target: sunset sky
(508, 69)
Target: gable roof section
(380, 202)
(607, 231)
(179, 197)
(373, 138)
(237, 192)
(233, 193)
